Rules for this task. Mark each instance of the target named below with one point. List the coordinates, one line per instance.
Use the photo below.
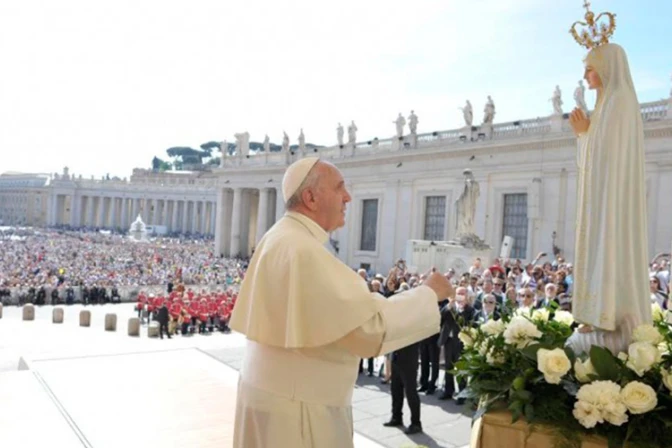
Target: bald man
(309, 318)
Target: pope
(309, 318)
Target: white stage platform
(164, 394)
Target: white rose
(493, 327)
(668, 317)
(540, 315)
(554, 364)
(564, 317)
(622, 356)
(583, 369)
(587, 414)
(641, 357)
(667, 379)
(647, 333)
(663, 348)
(521, 332)
(639, 398)
(467, 336)
(656, 312)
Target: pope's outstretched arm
(404, 319)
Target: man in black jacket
(163, 318)
(429, 357)
(458, 313)
(404, 381)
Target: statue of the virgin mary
(610, 272)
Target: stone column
(235, 221)
(185, 216)
(262, 213)
(279, 204)
(89, 211)
(101, 212)
(204, 217)
(113, 213)
(166, 214)
(53, 205)
(124, 214)
(174, 215)
(213, 218)
(74, 210)
(220, 236)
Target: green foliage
(161, 165)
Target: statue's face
(592, 78)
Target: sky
(104, 86)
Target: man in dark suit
(404, 381)
(429, 357)
(163, 318)
(458, 313)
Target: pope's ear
(308, 198)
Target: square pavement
(445, 424)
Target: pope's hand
(441, 286)
(579, 121)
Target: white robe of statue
(611, 287)
(309, 319)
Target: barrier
(28, 312)
(153, 329)
(111, 322)
(57, 315)
(85, 318)
(134, 326)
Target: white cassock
(611, 286)
(309, 319)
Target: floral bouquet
(520, 362)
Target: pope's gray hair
(311, 181)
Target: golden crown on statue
(594, 34)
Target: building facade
(402, 188)
(405, 188)
(24, 199)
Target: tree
(186, 155)
(209, 147)
(161, 165)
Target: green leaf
(570, 354)
(605, 364)
(523, 395)
(529, 412)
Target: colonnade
(112, 212)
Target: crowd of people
(185, 311)
(481, 294)
(63, 266)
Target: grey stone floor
(445, 424)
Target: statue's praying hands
(579, 121)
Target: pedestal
(495, 430)
(423, 255)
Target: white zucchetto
(295, 175)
